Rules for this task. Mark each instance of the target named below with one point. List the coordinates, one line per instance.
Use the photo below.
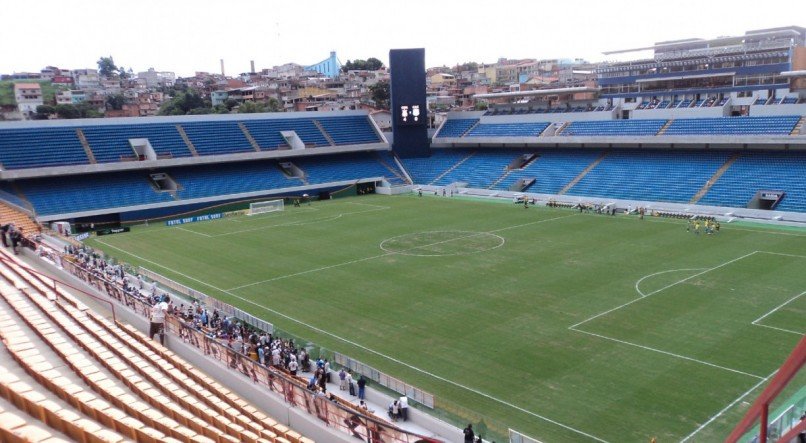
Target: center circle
(442, 243)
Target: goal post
(265, 206)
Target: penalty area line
(725, 409)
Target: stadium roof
(538, 92)
(793, 31)
(682, 77)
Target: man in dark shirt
(469, 435)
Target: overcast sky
(185, 36)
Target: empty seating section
(9, 195)
(342, 167)
(667, 176)
(552, 170)
(113, 376)
(224, 137)
(352, 130)
(230, 178)
(110, 143)
(480, 170)
(425, 170)
(762, 171)
(59, 195)
(789, 101)
(508, 130)
(40, 147)
(614, 127)
(267, 132)
(396, 177)
(780, 125)
(456, 127)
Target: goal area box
(266, 206)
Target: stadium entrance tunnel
(442, 243)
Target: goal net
(265, 206)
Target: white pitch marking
(192, 231)
(638, 283)
(777, 308)
(308, 271)
(672, 354)
(369, 205)
(718, 414)
(300, 223)
(372, 351)
(502, 241)
(282, 277)
(783, 254)
(661, 289)
(779, 329)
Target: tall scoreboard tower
(409, 108)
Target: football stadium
(616, 261)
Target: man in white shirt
(158, 312)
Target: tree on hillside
(469, 66)
(189, 102)
(273, 105)
(380, 94)
(115, 102)
(250, 107)
(44, 111)
(67, 111)
(371, 64)
(106, 67)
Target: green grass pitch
(561, 325)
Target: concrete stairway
(459, 163)
(86, 145)
(582, 174)
(707, 186)
(249, 137)
(187, 140)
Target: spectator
(362, 384)
(342, 380)
(470, 436)
(404, 408)
(158, 312)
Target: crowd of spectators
(279, 353)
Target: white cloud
(186, 36)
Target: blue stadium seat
(58, 195)
(455, 127)
(757, 171)
(217, 137)
(267, 132)
(667, 176)
(614, 127)
(773, 125)
(40, 147)
(425, 170)
(110, 143)
(351, 130)
(508, 130)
